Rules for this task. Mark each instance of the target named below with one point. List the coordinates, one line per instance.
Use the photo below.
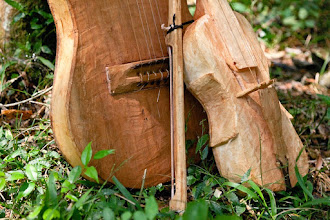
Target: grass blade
(272, 201)
(324, 201)
(125, 192)
(242, 188)
(302, 183)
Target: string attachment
(173, 26)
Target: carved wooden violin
(227, 71)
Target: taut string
(146, 18)
(145, 36)
(137, 43)
(155, 23)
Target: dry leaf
(13, 113)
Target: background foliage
(290, 22)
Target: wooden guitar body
(111, 87)
(226, 70)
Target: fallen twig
(27, 100)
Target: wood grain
(174, 41)
(227, 72)
(100, 34)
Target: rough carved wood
(227, 72)
(104, 40)
(174, 41)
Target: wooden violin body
(111, 87)
(226, 70)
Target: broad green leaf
(9, 135)
(108, 214)
(205, 152)
(197, 210)
(36, 26)
(67, 186)
(75, 174)
(16, 175)
(15, 5)
(25, 190)
(191, 180)
(2, 183)
(50, 214)
(302, 183)
(91, 172)
(232, 197)
(72, 197)
(240, 7)
(216, 207)
(46, 49)
(86, 155)
(272, 201)
(35, 212)
(46, 62)
(139, 215)
(290, 21)
(197, 191)
(303, 13)
(240, 210)
(151, 208)
(125, 192)
(201, 142)
(31, 172)
(51, 193)
(126, 216)
(103, 153)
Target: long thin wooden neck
(174, 42)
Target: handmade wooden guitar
(111, 87)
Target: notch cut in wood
(137, 76)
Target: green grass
(37, 183)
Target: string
(160, 19)
(145, 15)
(145, 36)
(152, 11)
(137, 44)
(160, 22)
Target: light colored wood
(174, 41)
(226, 70)
(6, 14)
(95, 37)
